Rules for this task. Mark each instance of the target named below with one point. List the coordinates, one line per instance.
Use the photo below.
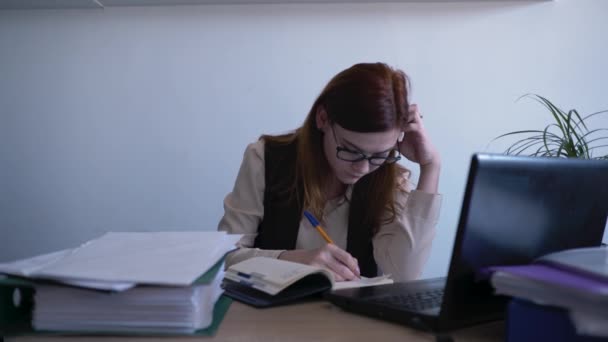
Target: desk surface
(311, 321)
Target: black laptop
(515, 209)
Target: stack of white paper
(139, 310)
(129, 282)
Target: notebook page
(363, 282)
(275, 273)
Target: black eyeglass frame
(372, 160)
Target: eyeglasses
(349, 155)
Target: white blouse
(401, 248)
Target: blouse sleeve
(244, 206)
(402, 247)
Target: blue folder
(529, 322)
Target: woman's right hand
(338, 261)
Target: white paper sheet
(125, 259)
(28, 267)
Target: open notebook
(263, 281)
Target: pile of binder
(153, 283)
(573, 283)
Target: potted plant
(568, 136)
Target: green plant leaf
(594, 114)
(586, 135)
(546, 140)
(521, 149)
(596, 147)
(518, 145)
(579, 148)
(580, 121)
(600, 146)
(567, 136)
(596, 139)
(516, 132)
(557, 113)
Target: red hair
(363, 98)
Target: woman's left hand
(416, 145)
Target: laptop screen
(516, 209)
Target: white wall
(136, 118)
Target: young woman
(340, 165)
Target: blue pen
(313, 221)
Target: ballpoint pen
(313, 221)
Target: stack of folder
(158, 283)
(573, 283)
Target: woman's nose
(362, 166)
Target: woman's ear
(321, 118)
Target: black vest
(283, 209)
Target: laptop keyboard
(412, 301)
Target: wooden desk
(311, 321)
